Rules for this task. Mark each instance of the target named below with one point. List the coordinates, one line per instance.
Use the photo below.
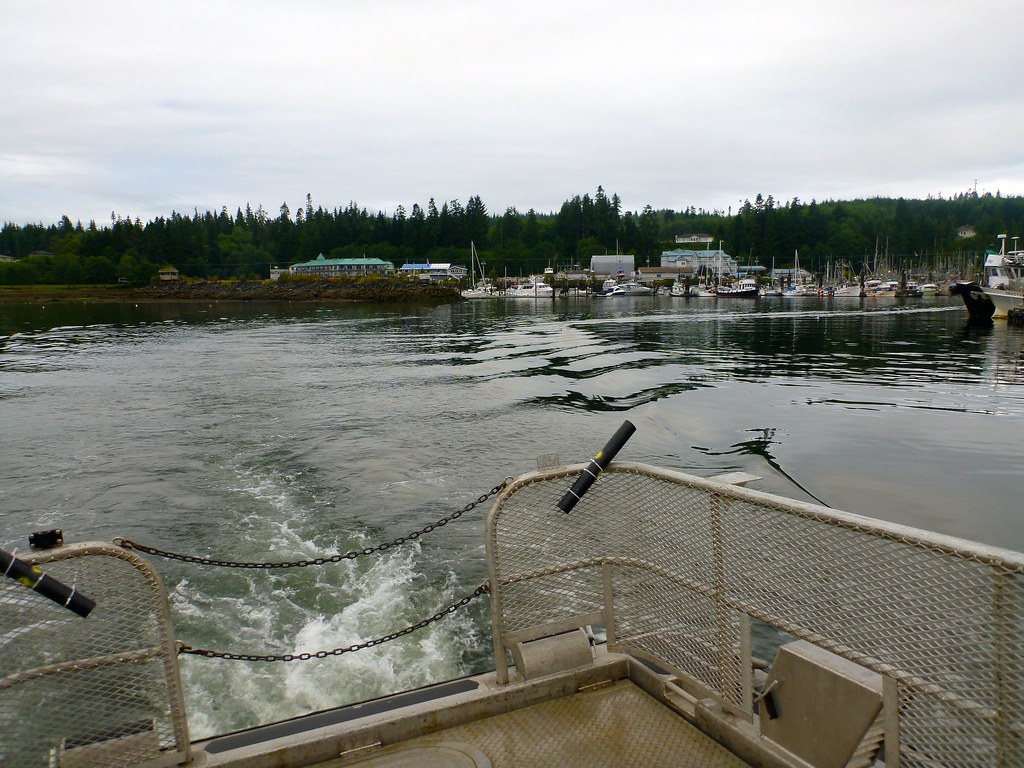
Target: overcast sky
(146, 108)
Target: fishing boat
(882, 289)
(678, 289)
(1001, 288)
(746, 288)
(639, 615)
(850, 291)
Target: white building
(698, 237)
(648, 275)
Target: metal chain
(183, 648)
(129, 544)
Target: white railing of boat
(679, 569)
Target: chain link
(129, 544)
(183, 648)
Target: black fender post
(47, 586)
(591, 472)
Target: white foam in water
(308, 610)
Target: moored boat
(532, 288)
(678, 289)
(477, 290)
(1000, 289)
(626, 288)
(746, 288)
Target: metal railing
(92, 692)
(678, 569)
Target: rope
(352, 555)
(183, 648)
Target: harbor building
(321, 266)
(717, 261)
(434, 272)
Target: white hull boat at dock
(1001, 289)
(534, 288)
(627, 622)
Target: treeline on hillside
(920, 234)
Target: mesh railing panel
(688, 557)
(98, 691)
(661, 619)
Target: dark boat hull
(980, 307)
(724, 293)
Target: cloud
(143, 109)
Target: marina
(252, 432)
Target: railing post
(891, 713)
(1004, 634)
(609, 604)
(746, 665)
(725, 653)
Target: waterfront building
(716, 261)
(649, 275)
(434, 272)
(321, 266)
(697, 237)
(797, 276)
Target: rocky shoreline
(371, 291)
(380, 291)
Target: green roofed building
(321, 266)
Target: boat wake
(306, 610)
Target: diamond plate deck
(619, 725)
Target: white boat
(1001, 288)
(678, 289)
(882, 289)
(532, 288)
(478, 290)
(798, 289)
(628, 288)
(850, 290)
(664, 620)
(484, 289)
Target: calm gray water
(271, 431)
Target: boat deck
(616, 712)
(617, 725)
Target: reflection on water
(278, 431)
